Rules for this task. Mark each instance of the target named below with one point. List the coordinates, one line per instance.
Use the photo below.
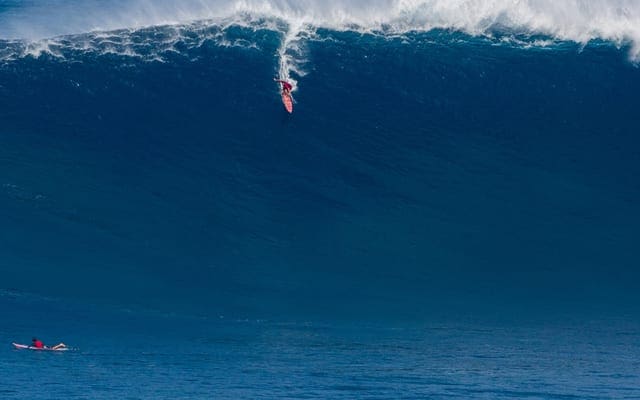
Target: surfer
(37, 343)
(286, 87)
(287, 99)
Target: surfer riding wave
(286, 86)
(287, 99)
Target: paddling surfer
(37, 343)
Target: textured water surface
(139, 356)
(451, 211)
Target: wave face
(420, 172)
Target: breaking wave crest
(581, 21)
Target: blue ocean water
(124, 354)
(428, 171)
(445, 214)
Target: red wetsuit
(285, 85)
(38, 344)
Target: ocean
(130, 354)
(451, 210)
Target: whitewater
(581, 21)
(578, 20)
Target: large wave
(419, 170)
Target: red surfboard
(288, 102)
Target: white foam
(581, 21)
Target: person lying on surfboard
(37, 343)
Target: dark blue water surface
(457, 217)
(444, 171)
